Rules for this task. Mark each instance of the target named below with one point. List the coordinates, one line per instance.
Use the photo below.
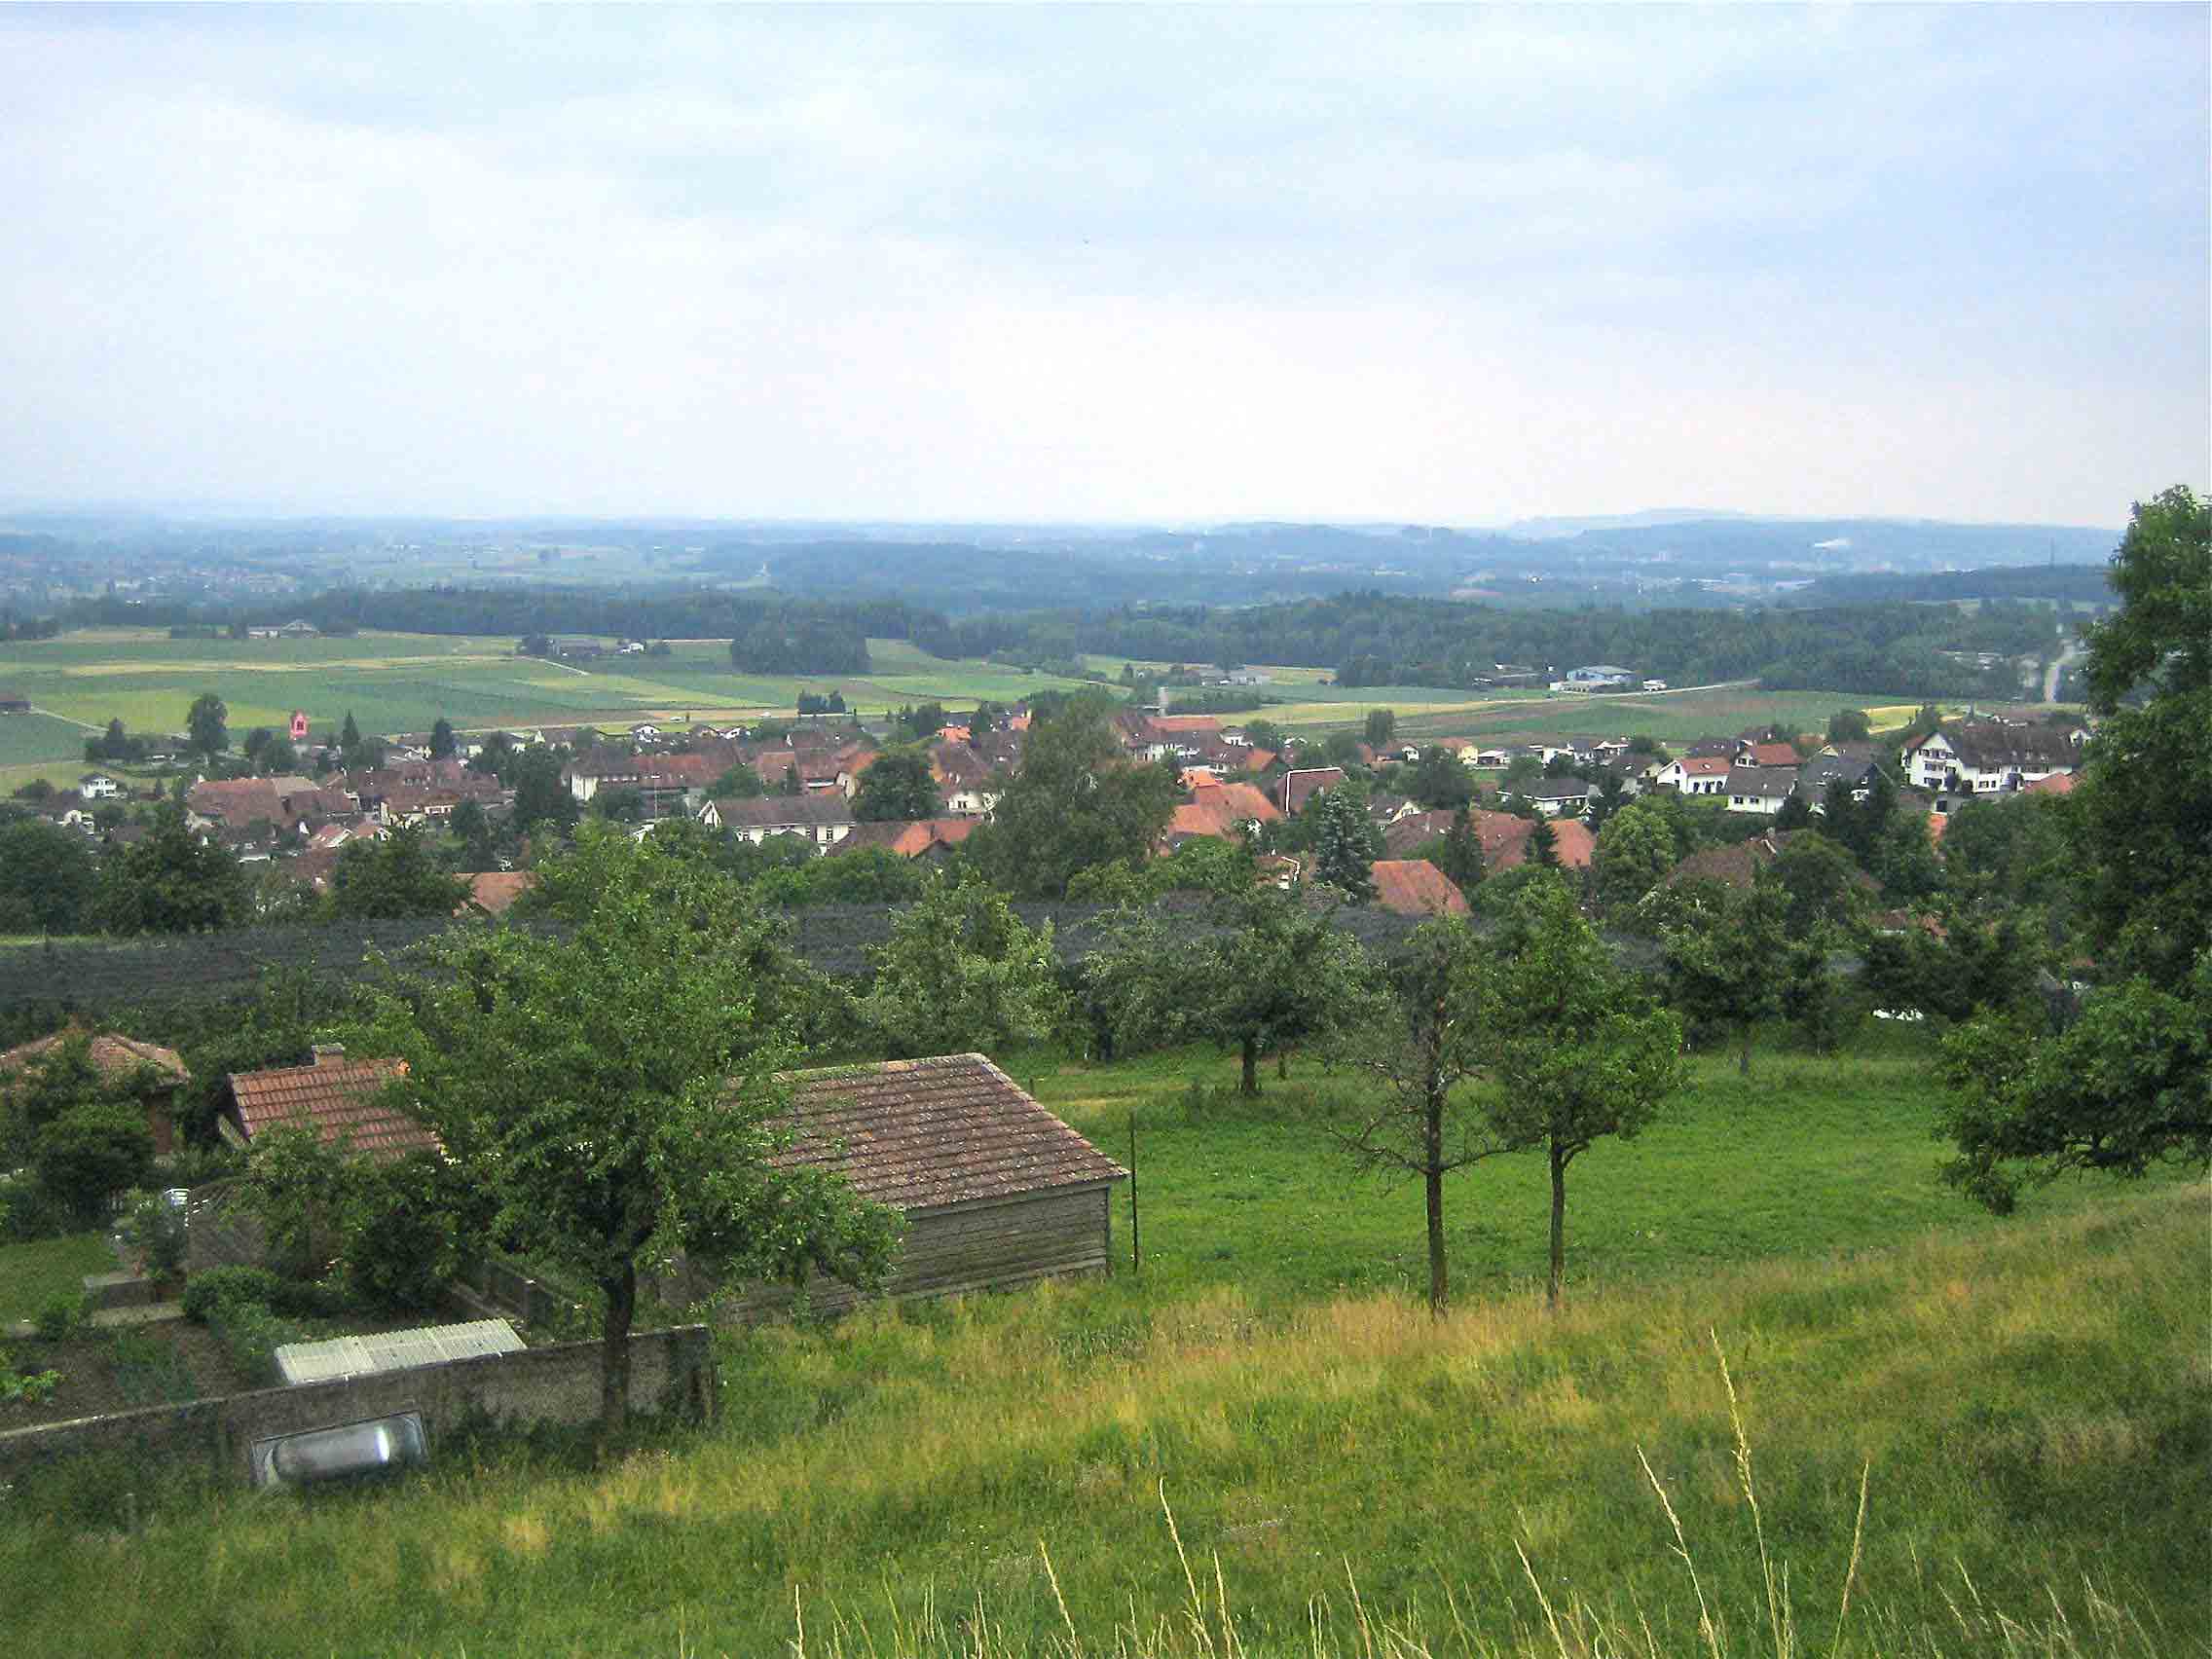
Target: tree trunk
(1558, 1225)
(1439, 1284)
(1282, 1065)
(1251, 1082)
(1743, 1059)
(614, 1355)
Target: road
(2071, 653)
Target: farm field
(2023, 1398)
(394, 682)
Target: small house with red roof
(341, 1099)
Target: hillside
(2025, 1402)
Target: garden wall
(670, 1371)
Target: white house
(1759, 789)
(98, 785)
(1987, 757)
(1694, 775)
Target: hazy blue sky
(1438, 265)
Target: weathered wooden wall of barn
(987, 1245)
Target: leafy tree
(206, 722)
(542, 796)
(1521, 774)
(1822, 886)
(1073, 802)
(443, 744)
(618, 806)
(393, 877)
(869, 875)
(348, 735)
(740, 783)
(1961, 967)
(1609, 796)
(960, 972)
(1265, 734)
(91, 1151)
(1635, 852)
(1421, 1043)
(1795, 814)
(1381, 723)
(791, 784)
(46, 878)
(614, 1093)
(1849, 725)
(280, 758)
(1440, 781)
(896, 787)
(1727, 968)
(1343, 844)
(1577, 1051)
(1276, 972)
(257, 740)
(171, 883)
(471, 825)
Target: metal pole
(1136, 1242)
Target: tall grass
(1996, 1444)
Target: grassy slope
(2032, 1396)
(2029, 1407)
(33, 1275)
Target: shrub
(91, 1151)
(251, 1334)
(63, 1317)
(400, 1245)
(29, 1387)
(216, 1287)
(27, 1212)
(153, 1229)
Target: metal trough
(377, 1446)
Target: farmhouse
(995, 1190)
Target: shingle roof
(493, 890)
(339, 1097)
(112, 1056)
(1414, 886)
(1766, 783)
(917, 1134)
(772, 811)
(1774, 755)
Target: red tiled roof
(1705, 766)
(112, 1054)
(493, 891)
(1414, 886)
(1573, 841)
(339, 1098)
(1186, 722)
(1774, 755)
(917, 1134)
(2059, 783)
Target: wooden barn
(996, 1191)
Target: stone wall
(670, 1371)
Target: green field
(395, 682)
(2025, 1400)
(33, 1275)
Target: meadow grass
(33, 1275)
(1994, 1445)
(393, 683)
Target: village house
(1414, 886)
(1694, 775)
(1968, 759)
(1760, 789)
(823, 819)
(157, 1075)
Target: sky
(1121, 264)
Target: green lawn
(33, 1275)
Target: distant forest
(1363, 638)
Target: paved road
(2071, 653)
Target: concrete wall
(669, 1370)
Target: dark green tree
(443, 744)
(171, 883)
(544, 799)
(1343, 844)
(1440, 781)
(1849, 725)
(349, 734)
(395, 878)
(1727, 968)
(46, 878)
(960, 973)
(896, 787)
(2127, 1086)
(207, 723)
(1071, 803)
(1381, 724)
(1459, 856)
(1543, 845)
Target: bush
(400, 1247)
(216, 1287)
(153, 1229)
(251, 1334)
(28, 1213)
(63, 1317)
(90, 1152)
